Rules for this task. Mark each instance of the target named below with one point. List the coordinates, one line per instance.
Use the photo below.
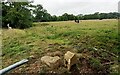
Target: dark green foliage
(41, 14)
(16, 14)
(97, 15)
(92, 16)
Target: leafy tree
(39, 13)
(71, 17)
(55, 18)
(17, 14)
(65, 17)
(46, 17)
(80, 16)
(96, 15)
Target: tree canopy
(17, 14)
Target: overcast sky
(59, 7)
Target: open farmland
(98, 39)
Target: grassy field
(84, 37)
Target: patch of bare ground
(86, 65)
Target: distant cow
(77, 21)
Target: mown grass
(101, 34)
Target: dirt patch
(36, 66)
(91, 62)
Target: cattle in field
(77, 21)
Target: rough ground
(97, 40)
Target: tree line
(23, 14)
